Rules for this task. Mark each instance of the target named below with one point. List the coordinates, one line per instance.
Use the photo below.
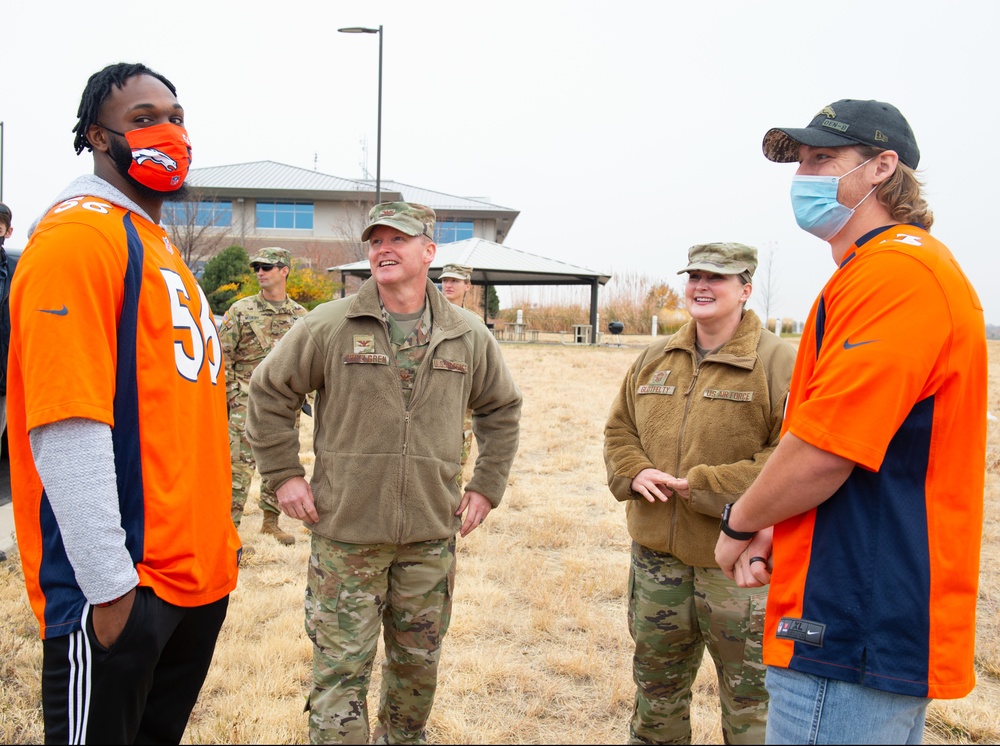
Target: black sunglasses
(265, 267)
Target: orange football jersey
(108, 324)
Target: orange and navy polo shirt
(878, 584)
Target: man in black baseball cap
(872, 602)
(850, 151)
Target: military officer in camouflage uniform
(696, 417)
(456, 282)
(250, 330)
(396, 366)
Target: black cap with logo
(847, 122)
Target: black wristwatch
(732, 533)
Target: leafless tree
(348, 229)
(765, 282)
(200, 227)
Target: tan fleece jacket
(714, 424)
(385, 473)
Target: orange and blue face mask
(161, 155)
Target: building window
(216, 214)
(448, 231)
(292, 215)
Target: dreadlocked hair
(97, 91)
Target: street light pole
(378, 145)
(378, 141)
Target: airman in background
(250, 330)
(456, 282)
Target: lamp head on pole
(378, 156)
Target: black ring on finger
(758, 559)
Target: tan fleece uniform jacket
(384, 472)
(714, 423)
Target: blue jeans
(812, 709)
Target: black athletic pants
(143, 688)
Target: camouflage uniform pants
(674, 612)
(244, 464)
(351, 590)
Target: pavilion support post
(593, 311)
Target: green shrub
(224, 275)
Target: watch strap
(732, 533)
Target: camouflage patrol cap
(457, 271)
(722, 258)
(846, 122)
(408, 217)
(272, 255)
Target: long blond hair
(901, 193)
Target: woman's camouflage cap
(457, 272)
(722, 258)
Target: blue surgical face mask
(814, 201)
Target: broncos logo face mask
(161, 155)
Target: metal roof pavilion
(494, 264)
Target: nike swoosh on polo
(55, 311)
(849, 345)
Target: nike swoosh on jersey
(56, 311)
(849, 345)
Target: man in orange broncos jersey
(875, 491)
(118, 433)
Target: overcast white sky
(623, 132)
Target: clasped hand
(653, 485)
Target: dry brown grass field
(538, 650)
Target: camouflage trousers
(244, 464)
(675, 611)
(352, 590)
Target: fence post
(653, 332)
